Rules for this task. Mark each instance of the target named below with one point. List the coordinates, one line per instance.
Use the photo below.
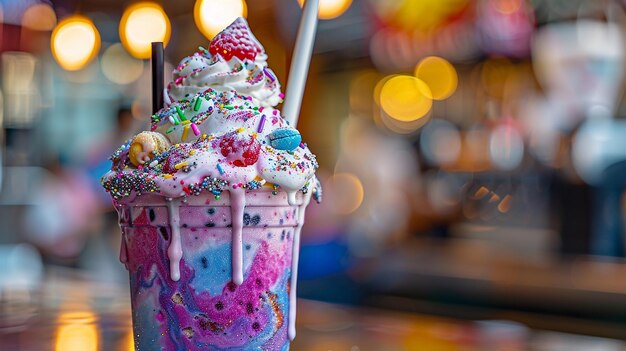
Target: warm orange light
(384, 120)
(75, 42)
(349, 192)
(439, 75)
(39, 17)
(329, 9)
(505, 205)
(405, 98)
(481, 192)
(142, 24)
(127, 343)
(211, 16)
(131, 341)
(424, 15)
(77, 332)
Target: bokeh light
(506, 147)
(329, 9)
(39, 17)
(439, 75)
(77, 332)
(348, 191)
(405, 98)
(475, 150)
(424, 15)
(440, 142)
(384, 121)
(141, 24)
(119, 67)
(505, 205)
(211, 16)
(75, 42)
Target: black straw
(157, 76)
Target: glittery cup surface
(204, 309)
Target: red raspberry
(240, 149)
(236, 40)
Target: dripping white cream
(175, 249)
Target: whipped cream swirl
(201, 71)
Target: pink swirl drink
(211, 201)
(206, 309)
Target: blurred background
(472, 153)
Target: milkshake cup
(205, 309)
(211, 201)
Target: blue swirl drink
(206, 309)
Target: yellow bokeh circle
(75, 41)
(439, 75)
(141, 24)
(77, 331)
(405, 98)
(211, 16)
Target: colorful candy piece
(285, 139)
(145, 146)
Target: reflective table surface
(72, 312)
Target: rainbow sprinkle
(180, 114)
(185, 132)
(195, 129)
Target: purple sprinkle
(302, 145)
(261, 124)
(269, 74)
(275, 112)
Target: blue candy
(285, 139)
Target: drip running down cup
(193, 302)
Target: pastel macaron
(285, 139)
